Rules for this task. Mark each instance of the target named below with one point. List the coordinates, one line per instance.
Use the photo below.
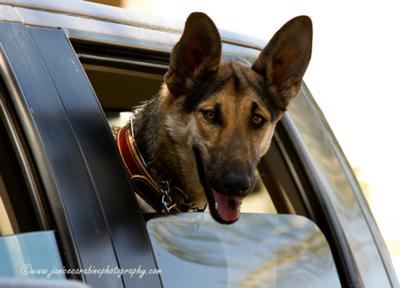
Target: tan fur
(186, 130)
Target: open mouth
(227, 206)
(224, 208)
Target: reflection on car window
(8, 225)
(257, 251)
(30, 255)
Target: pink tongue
(228, 207)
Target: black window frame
(310, 193)
(39, 83)
(22, 187)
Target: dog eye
(209, 115)
(257, 120)
(212, 115)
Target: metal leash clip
(168, 203)
(166, 199)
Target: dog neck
(154, 144)
(162, 155)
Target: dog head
(224, 113)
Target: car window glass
(259, 250)
(329, 166)
(30, 255)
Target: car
(70, 73)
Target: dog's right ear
(196, 56)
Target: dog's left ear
(284, 60)
(196, 56)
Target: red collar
(160, 198)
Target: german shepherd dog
(213, 120)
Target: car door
(95, 217)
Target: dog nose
(235, 182)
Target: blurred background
(353, 76)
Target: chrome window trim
(112, 15)
(357, 191)
(353, 277)
(95, 30)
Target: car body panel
(63, 158)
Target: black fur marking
(272, 108)
(239, 77)
(258, 86)
(148, 133)
(254, 107)
(260, 89)
(202, 91)
(206, 185)
(236, 81)
(213, 85)
(146, 127)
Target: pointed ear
(284, 60)
(196, 56)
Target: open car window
(122, 81)
(260, 250)
(122, 84)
